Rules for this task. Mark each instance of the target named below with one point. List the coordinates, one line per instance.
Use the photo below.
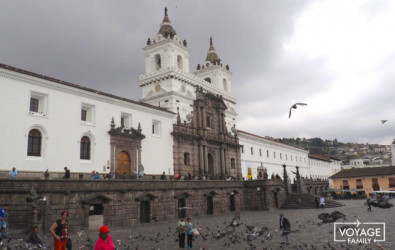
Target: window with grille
(34, 143)
(85, 148)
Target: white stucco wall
(62, 127)
(279, 154)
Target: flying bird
(383, 121)
(295, 107)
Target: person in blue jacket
(189, 224)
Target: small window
(252, 151)
(281, 157)
(38, 104)
(274, 155)
(391, 182)
(87, 114)
(158, 62)
(96, 209)
(126, 120)
(207, 79)
(345, 184)
(359, 184)
(186, 159)
(83, 114)
(260, 152)
(267, 153)
(34, 143)
(85, 148)
(232, 163)
(242, 149)
(156, 129)
(34, 104)
(286, 157)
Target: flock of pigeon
(227, 235)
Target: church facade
(185, 123)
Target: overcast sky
(337, 56)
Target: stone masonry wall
(121, 199)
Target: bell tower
(166, 69)
(217, 77)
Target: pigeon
(329, 218)
(383, 203)
(295, 107)
(383, 121)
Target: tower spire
(212, 55)
(166, 29)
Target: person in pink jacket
(105, 240)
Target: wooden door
(123, 165)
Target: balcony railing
(359, 187)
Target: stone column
(201, 160)
(205, 159)
(221, 161)
(226, 162)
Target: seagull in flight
(295, 107)
(383, 121)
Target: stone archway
(211, 165)
(123, 164)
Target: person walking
(13, 173)
(285, 228)
(105, 240)
(322, 202)
(60, 231)
(189, 224)
(66, 173)
(3, 223)
(369, 205)
(181, 232)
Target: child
(34, 238)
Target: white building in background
(260, 152)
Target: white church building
(51, 124)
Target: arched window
(85, 148)
(207, 79)
(34, 143)
(225, 84)
(158, 62)
(179, 62)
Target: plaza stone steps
(308, 201)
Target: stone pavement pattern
(310, 234)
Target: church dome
(212, 55)
(166, 29)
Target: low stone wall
(122, 201)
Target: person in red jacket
(105, 240)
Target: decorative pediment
(146, 197)
(126, 132)
(182, 195)
(234, 192)
(96, 199)
(211, 194)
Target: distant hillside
(372, 153)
